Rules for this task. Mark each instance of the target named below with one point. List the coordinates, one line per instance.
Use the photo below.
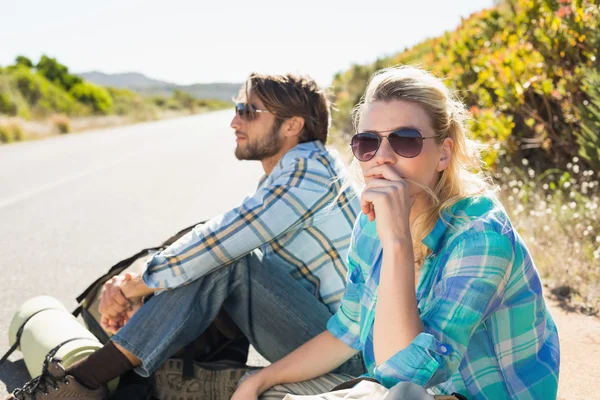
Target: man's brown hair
(291, 95)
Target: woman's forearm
(398, 321)
(317, 357)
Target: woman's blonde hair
(464, 175)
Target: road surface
(72, 206)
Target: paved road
(72, 206)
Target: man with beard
(276, 264)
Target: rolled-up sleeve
(293, 198)
(345, 323)
(471, 288)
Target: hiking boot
(54, 383)
(210, 381)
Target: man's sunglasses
(248, 112)
(405, 142)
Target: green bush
(525, 60)
(186, 100)
(7, 105)
(212, 104)
(160, 101)
(41, 95)
(124, 101)
(97, 97)
(588, 137)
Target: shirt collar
(467, 207)
(301, 150)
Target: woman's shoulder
(481, 215)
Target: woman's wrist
(262, 380)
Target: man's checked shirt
(487, 333)
(290, 218)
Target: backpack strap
(114, 270)
(125, 263)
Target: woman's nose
(385, 154)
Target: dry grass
(558, 215)
(61, 123)
(11, 130)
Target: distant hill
(140, 83)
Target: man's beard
(266, 147)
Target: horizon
(150, 77)
(168, 43)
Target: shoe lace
(40, 385)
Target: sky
(198, 41)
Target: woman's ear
(445, 154)
(293, 126)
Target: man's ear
(292, 127)
(445, 154)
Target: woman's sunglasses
(248, 112)
(405, 142)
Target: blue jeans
(273, 310)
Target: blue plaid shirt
(290, 218)
(487, 333)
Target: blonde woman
(441, 290)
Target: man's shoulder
(310, 162)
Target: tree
(24, 61)
(57, 73)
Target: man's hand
(115, 307)
(113, 302)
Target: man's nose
(236, 123)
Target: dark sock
(100, 367)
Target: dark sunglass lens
(244, 111)
(364, 146)
(406, 142)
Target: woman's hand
(386, 197)
(248, 390)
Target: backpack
(222, 340)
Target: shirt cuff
(165, 279)
(418, 363)
(344, 330)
